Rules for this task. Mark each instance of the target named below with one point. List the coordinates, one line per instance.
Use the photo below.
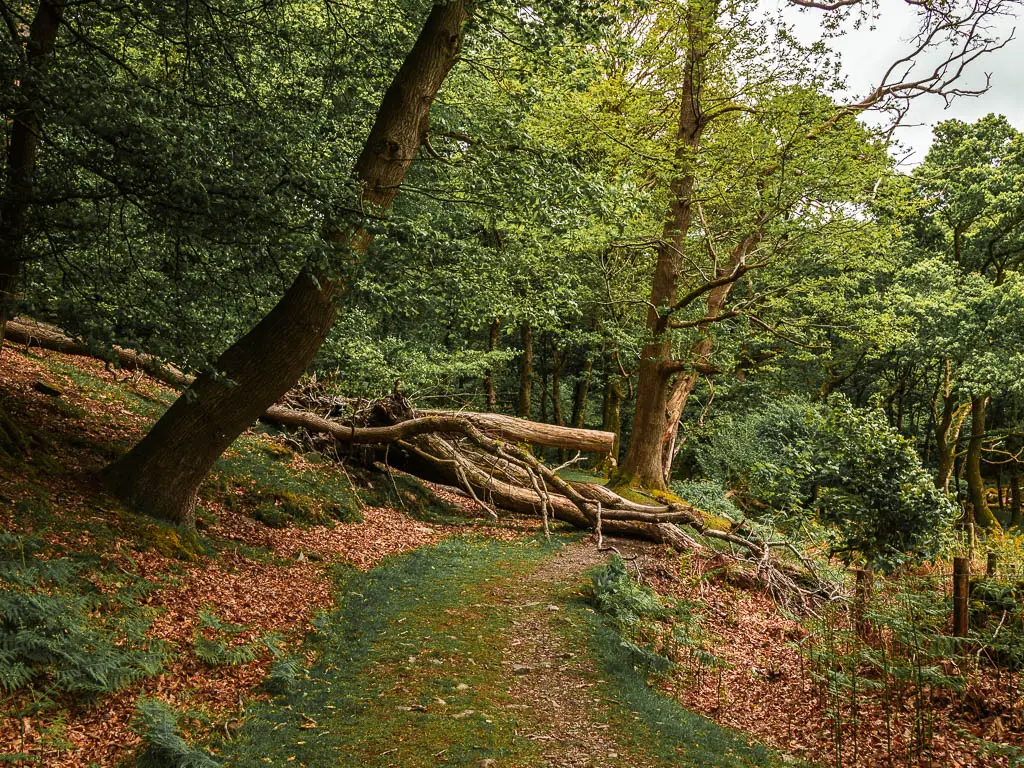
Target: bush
(846, 466)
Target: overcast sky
(867, 52)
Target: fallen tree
(486, 455)
(32, 333)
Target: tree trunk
(700, 353)
(526, 374)
(983, 516)
(611, 412)
(557, 367)
(21, 152)
(579, 400)
(161, 474)
(492, 344)
(1016, 514)
(948, 424)
(643, 464)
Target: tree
(34, 54)
(161, 474)
(705, 99)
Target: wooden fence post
(961, 595)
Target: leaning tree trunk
(975, 482)
(643, 464)
(161, 474)
(700, 352)
(21, 151)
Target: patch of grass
(394, 650)
(259, 477)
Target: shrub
(844, 465)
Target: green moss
(172, 541)
(409, 494)
(262, 478)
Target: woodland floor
(426, 637)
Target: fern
(283, 675)
(165, 747)
(220, 650)
(50, 633)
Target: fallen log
(503, 475)
(455, 422)
(535, 433)
(35, 334)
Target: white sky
(867, 52)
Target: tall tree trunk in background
(21, 151)
(643, 464)
(162, 473)
(558, 359)
(611, 410)
(983, 516)
(1016, 513)
(544, 346)
(948, 424)
(526, 373)
(579, 400)
(700, 354)
(492, 344)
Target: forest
(484, 383)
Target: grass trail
(473, 653)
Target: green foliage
(58, 634)
(215, 643)
(708, 496)
(284, 675)
(653, 632)
(846, 466)
(164, 745)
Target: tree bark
(21, 152)
(492, 344)
(948, 424)
(160, 476)
(611, 412)
(582, 391)
(526, 374)
(983, 516)
(558, 359)
(643, 464)
(1016, 513)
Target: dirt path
(550, 677)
